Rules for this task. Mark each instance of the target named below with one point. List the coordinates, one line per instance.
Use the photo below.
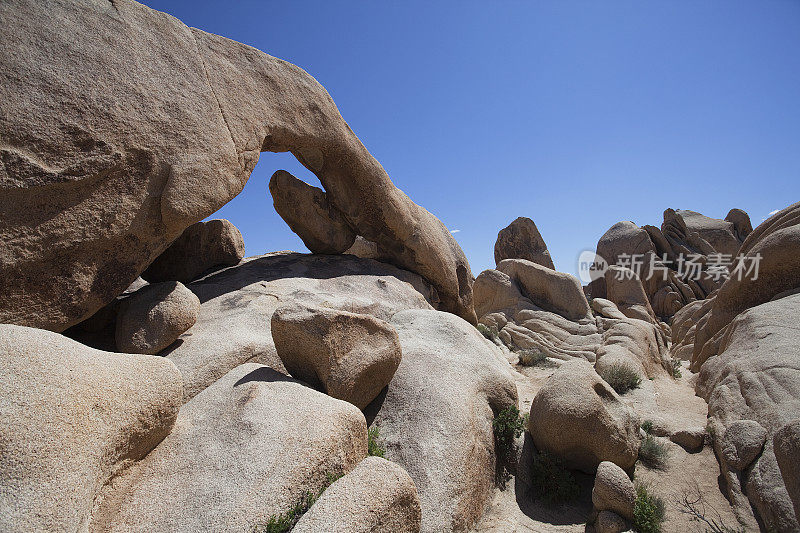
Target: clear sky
(577, 114)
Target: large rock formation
(308, 212)
(201, 248)
(377, 495)
(756, 378)
(352, 356)
(72, 419)
(244, 449)
(97, 183)
(502, 301)
(578, 417)
(521, 240)
(240, 301)
(436, 416)
(655, 254)
(153, 317)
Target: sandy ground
(513, 508)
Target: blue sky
(577, 114)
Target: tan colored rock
(609, 522)
(554, 291)
(365, 249)
(777, 242)
(202, 248)
(787, 452)
(99, 183)
(742, 443)
(445, 393)
(613, 490)
(350, 355)
(521, 240)
(625, 289)
(240, 301)
(741, 223)
(578, 417)
(377, 495)
(756, 376)
(308, 213)
(246, 448)
(691, 439)
(73, 418)
(153, 317)
(495, 291)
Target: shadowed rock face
(120, 135)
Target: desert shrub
(490, 332)
(648, 511)
(647, 426)
(621, 377)
(675, 368)
(374, 446)
(532, 358)
(507, 426)
(653, 452)
(283, 522)
(551, 481)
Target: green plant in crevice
(285, 521)
(653, 453)
(507, 426)
(374, 446)
(675, 368)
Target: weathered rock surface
(201, 248)
(521, 240)
(609, 522)
(244, 449)
(787, 452)
(96, 184)
(377, 495)
(153, 317)
(578, 417)
(310, 215)
(501, 304)
(554, 291)
(742, 443)
(625, 289)
(450, 383)
(240, 301)
(350, 355)
(72, 419)
(613, 490)
(656, 252)
(691, 439)
(365, 249)
(777, 242)
(756, 376)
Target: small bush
(648, 511)
(653, 453)
(532, 358)
(552, 482)
(490, 332)
(621, 377)
(281, 523)
(507, 426)
(647, 426)
(675, 368)
(374, 446)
